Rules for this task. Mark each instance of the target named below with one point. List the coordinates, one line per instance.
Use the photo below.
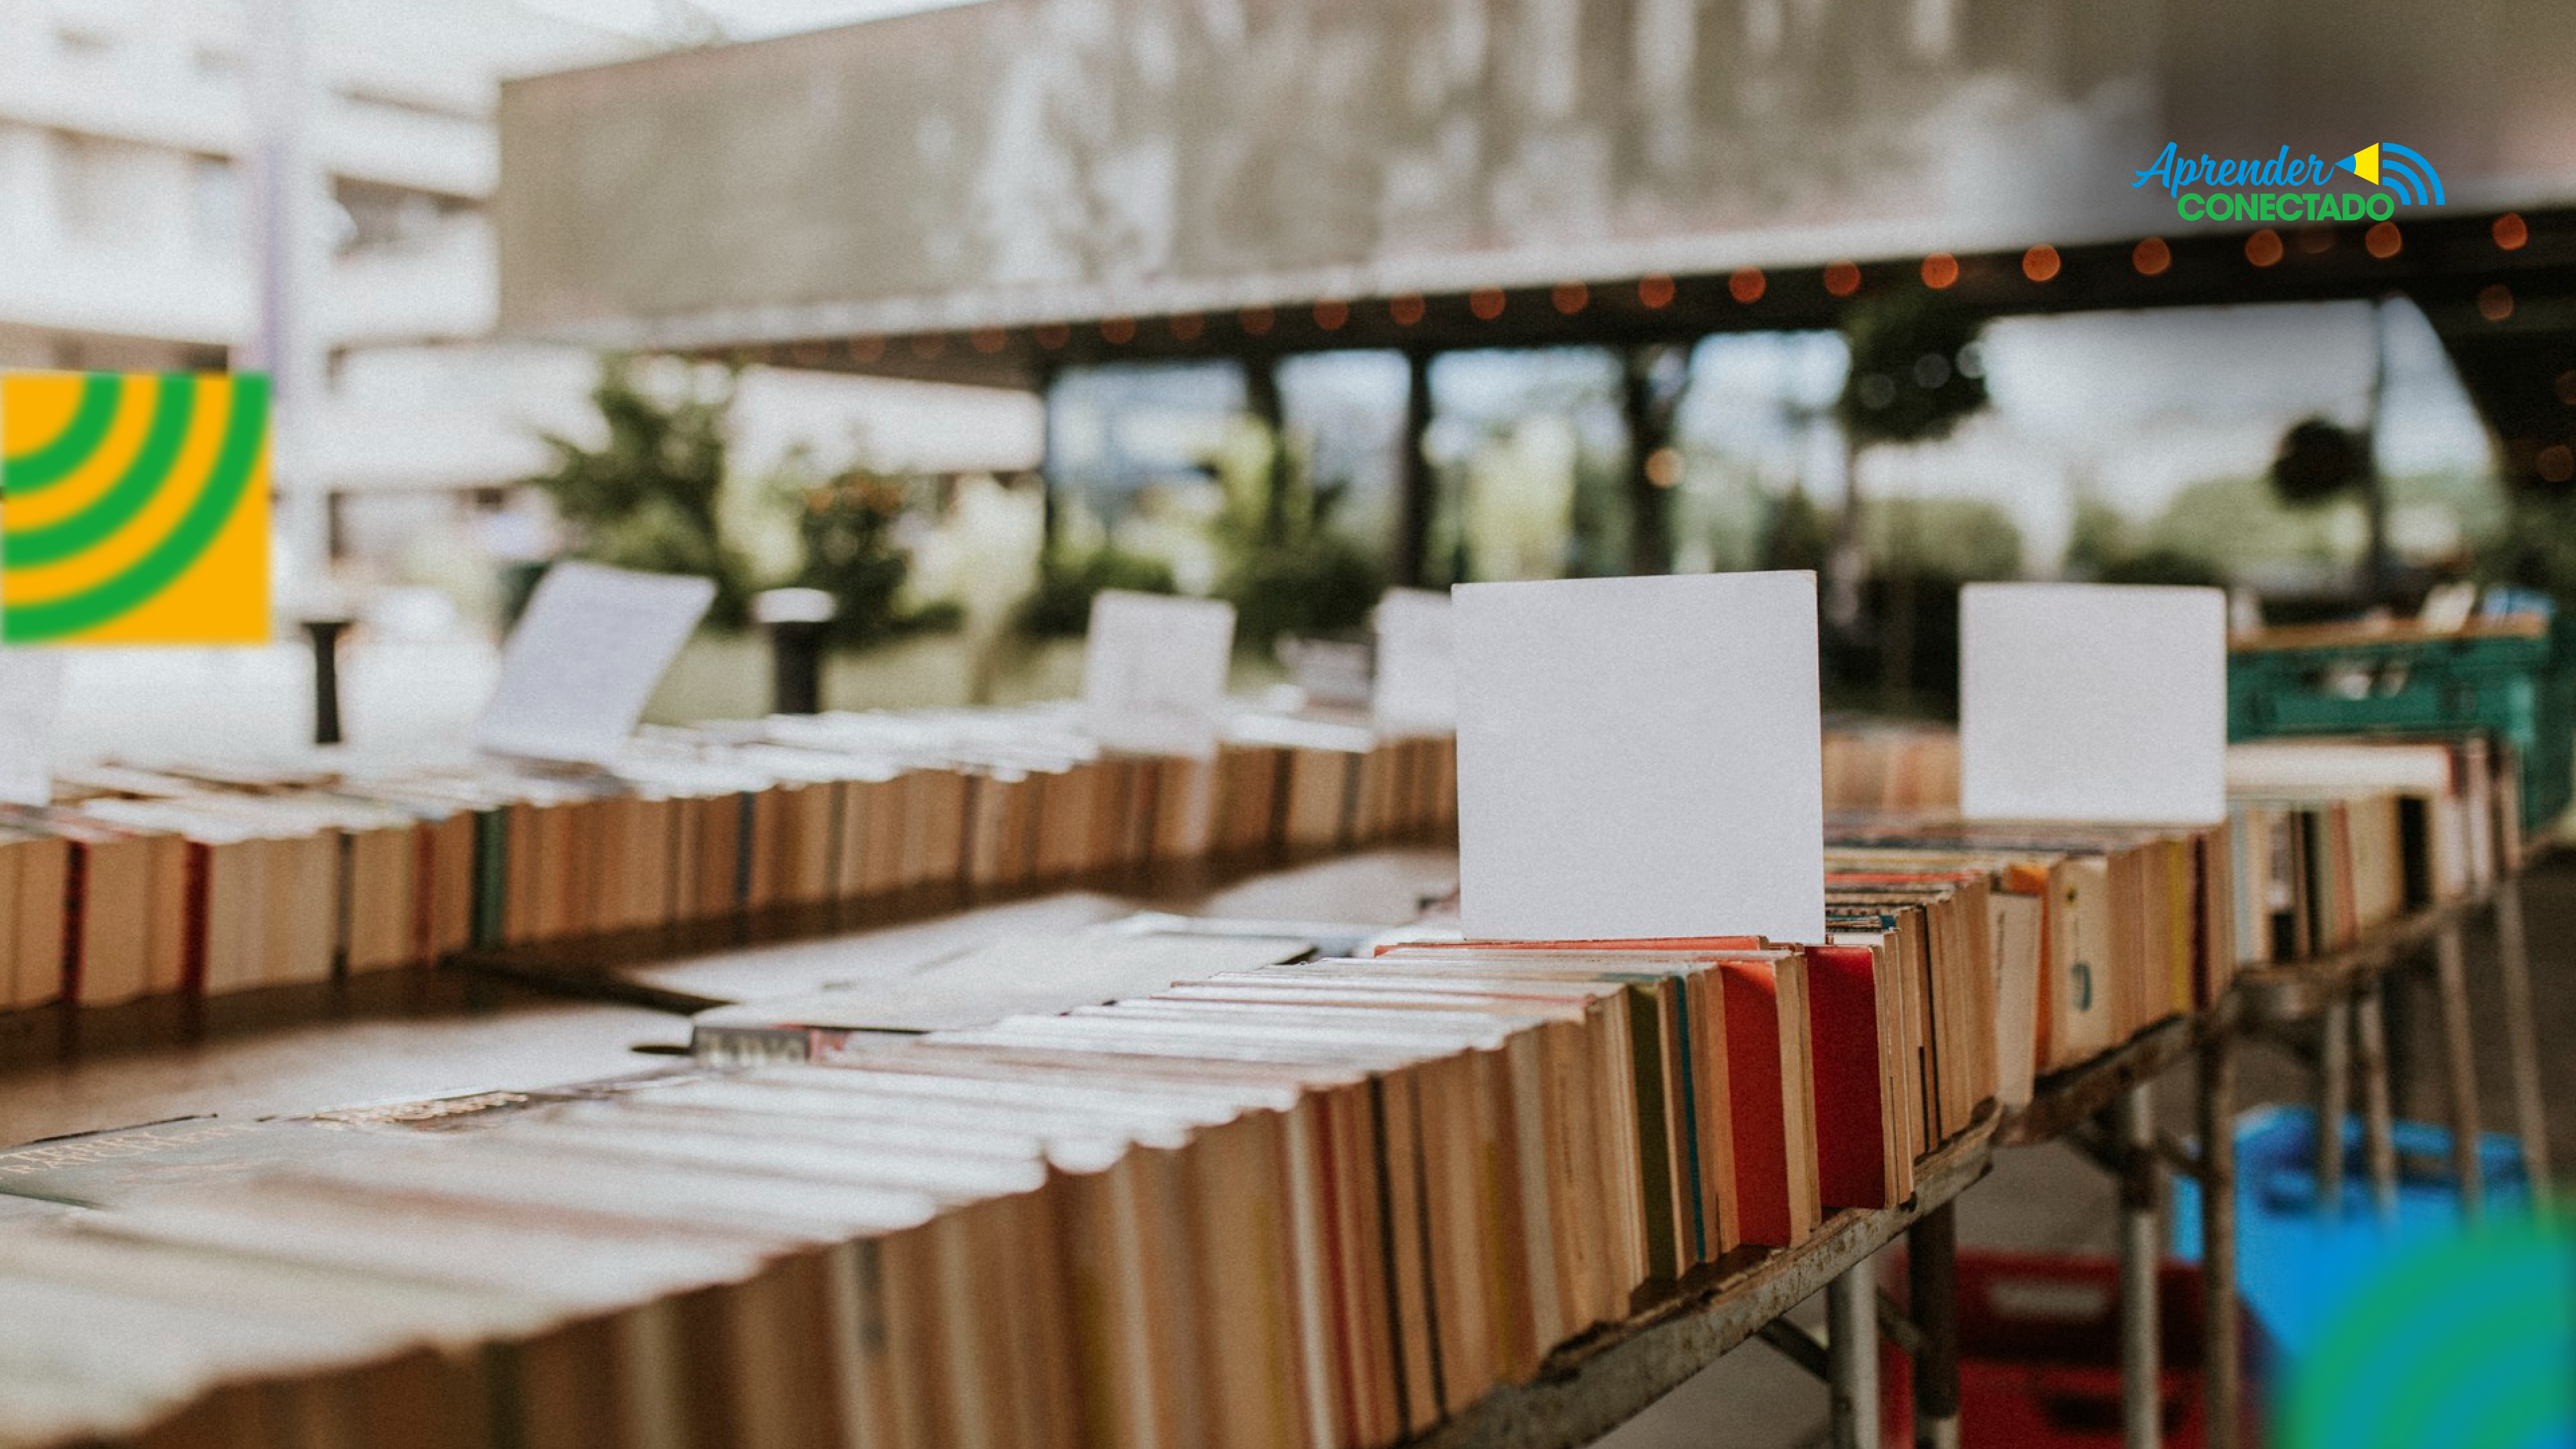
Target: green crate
(2516, 682)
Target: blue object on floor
(2291, 1263)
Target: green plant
(1321, 583)
(2537, 550)
(1060, 606)
(1799, 536)
(847, 529)
(1287, 571)
(2164, 566)
(646, 499)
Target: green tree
(1068, 579)
(1958, 540)
(647, 498)
(1914, 377)
(1287, 570)
(1914, 374)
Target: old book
(1005, 978)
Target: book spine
(193, 919)
(491, 875)
(75, 916)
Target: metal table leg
(2451, 972)
(2513, 961)
(2221, 1353)
(2378, 1117)
(2334, 1101)
(2141, 1389)
(1851, 1347)
(1932, 1300)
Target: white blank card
(31, 697)
(2093, 702)
(584, 659)
(1640, 757)
(1153, 672)
(1417, 662)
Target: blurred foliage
(658, 496)
(2318, 462)
(1914, 375)
(850, 532)
(647, 499)
(2162, 566)
(2536, 549)
(2240, 525)
(1060, 606)
(1801, 535)
(1960, 539)
(2242, 531)
(2098, 535)
(1286, 569)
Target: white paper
(1153, 672)
(584, 659)
(31, 697)
(1417, 662)
(1640, 757)
(2093, 702)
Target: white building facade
(131, 215)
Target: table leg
(1932, 1300)
(2334, 1102)
(2378, 1117)
(2451, 973)
(2513, 960)
(1851, 1349)
(2141, 1387)
(2221, 1354)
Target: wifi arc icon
(2462, 1340)
(2402, 169)
(133, 508)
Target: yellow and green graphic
(133, 508)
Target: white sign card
(584, 659)
(2093, 702)
(1641, 757)
(1153, 672)
(31, 697)
(1417, 662)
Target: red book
(1851, 1118)
(1754, 1106)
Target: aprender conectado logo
(2269, 189)
(133, 508)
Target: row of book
(1249, 1198)
(2079, 936)
(2330, 837)
(1899, 765)
(2338, 837)
(210, 877)
(1321, 1203)
(2010, 951)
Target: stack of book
(2331, 837)
(216, 877)
(1890, 765)
(2336, 837)
(1322, 1203)
(2068, 939)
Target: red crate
(2039, 1356)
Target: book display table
(1597, 1380)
